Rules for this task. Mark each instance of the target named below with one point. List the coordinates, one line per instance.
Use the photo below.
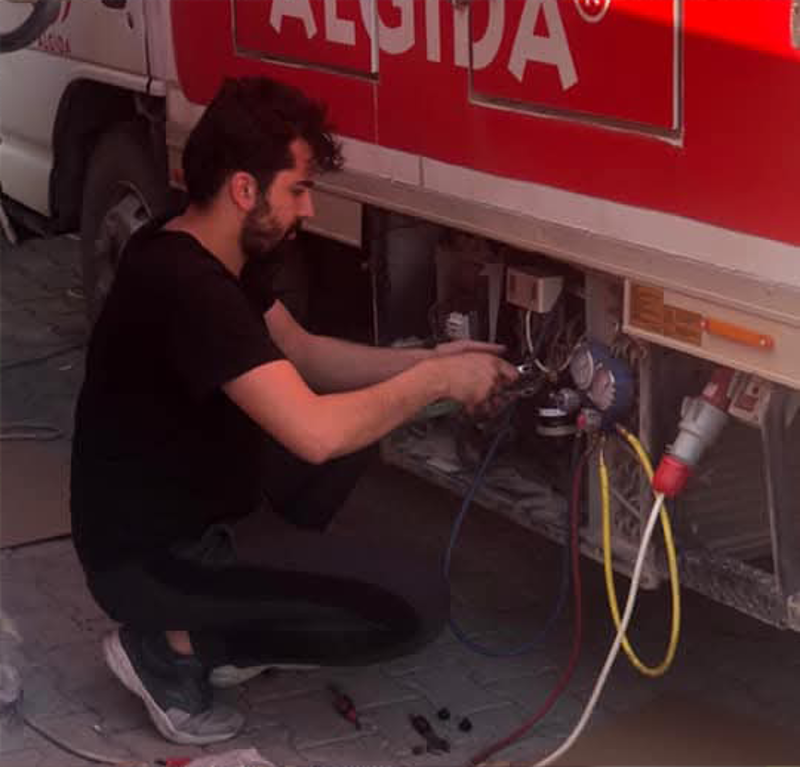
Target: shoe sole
(119, 663)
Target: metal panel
(421, 105)
(211, 28)
(780, 463)
(736, 584)
(610, 63)
(581, 246)
(724, 509)
(739, 339)
(159, 41)
(337, 218)
(321, 33)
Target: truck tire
(42, 15)
(123, 190)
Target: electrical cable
(6, 227)
(460, 633)
(41, 358)
(669, 544)
(561, 684)
(608, 569)
(13, 708)
(29, 431)
(467, 503)
(80, 752)
(528, 331)
(655, 513)
(26, 431)
(535, 349)
(533, 352)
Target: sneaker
(230, 676)
(174, 688)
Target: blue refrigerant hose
(477, 482)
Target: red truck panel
(212, 43)
(262, 30)
(718, 144)
(617, 64)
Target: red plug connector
(703, 418)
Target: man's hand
(462, 347)
(474, 378)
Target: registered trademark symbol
(592, 10)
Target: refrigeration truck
(608, 187)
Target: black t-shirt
(159, 450)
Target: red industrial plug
(703, 418)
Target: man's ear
(243, 190)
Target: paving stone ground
(505, 579)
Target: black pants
(274, 587)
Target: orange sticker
(649, 312)
(683, 325)
(647, 308)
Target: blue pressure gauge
(605, 380)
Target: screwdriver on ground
(436, 744)
(345, 706)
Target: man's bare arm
(333, 365)
(318, 427)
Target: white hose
(6, 227)
(612, 655)
(528, 331)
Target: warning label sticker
(649, 312)
(683, 325)
(647, 308)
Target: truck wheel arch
(89, 109)
(123, 190)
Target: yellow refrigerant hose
(672, 561)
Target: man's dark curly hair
(250, 126)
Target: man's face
(280, 212)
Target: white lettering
(553, 50)
(461, 34)
(433, 27)
(369, 16)
(294, 9)
(396, 40)
(485, 50)
(338, 30)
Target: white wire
(612, 655)
(529, 343)
(6, 228)
(89, 756)
(528, 333)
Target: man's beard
(261, 233)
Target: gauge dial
(604, 389)
(582, 367)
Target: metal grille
(724, 509)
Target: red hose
(564, 679)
